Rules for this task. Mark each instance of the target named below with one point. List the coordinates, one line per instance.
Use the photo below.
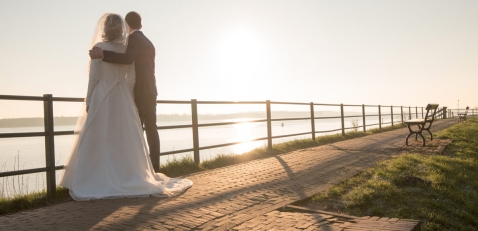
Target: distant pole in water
(282, 125)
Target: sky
(371, 52)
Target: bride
(109, 156)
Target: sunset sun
(241, 60)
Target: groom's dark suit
(141, 51)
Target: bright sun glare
(241, 62)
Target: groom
(141, 52)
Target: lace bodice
(105, 75)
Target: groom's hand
(96, 53)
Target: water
(29, 152)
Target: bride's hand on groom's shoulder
(96, 53)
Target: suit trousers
(147, 113)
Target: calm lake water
(28, 152)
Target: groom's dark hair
(133, 19)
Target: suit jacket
(141, 51)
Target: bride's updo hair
(113, 28)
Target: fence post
(49, 144)
(401, 112)
(391, 110)
(444, 113)
(409, 113)
(194, 117)
(416, 112)
(363, 117)
(342, 118)
(312, 120)
(422, 112)
(379, 117)
(269, 125)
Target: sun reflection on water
(244, 132)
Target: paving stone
(229, 197)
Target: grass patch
(439, 190)
(33, 200)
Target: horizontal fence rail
(402, 112)
(452, 113)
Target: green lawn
(440, 190)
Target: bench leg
(410, 134)
(422, 138)
(406, 141)
(417, 133)
(431, 135)
(420, 128)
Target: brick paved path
(224, 198)
(293, 218)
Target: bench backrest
(431, 111)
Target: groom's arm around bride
(141, 52)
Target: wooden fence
(49, 132)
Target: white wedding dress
(109, 156)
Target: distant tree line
(35, 122)
(60, 121)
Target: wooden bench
(422, 124)
(462, 116)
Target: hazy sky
(352, 52)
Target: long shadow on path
(225, 197)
